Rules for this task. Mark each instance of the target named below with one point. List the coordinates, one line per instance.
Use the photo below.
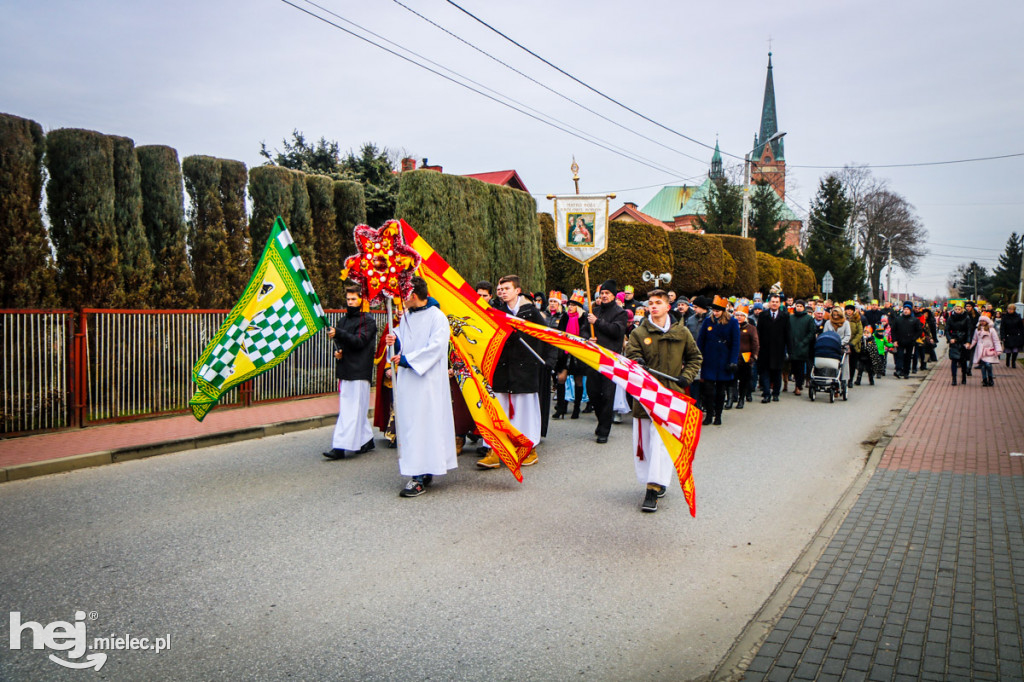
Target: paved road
(262, 561)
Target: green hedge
(349, 211)
(326, 281)
(728, 273)
(271, 189)
(744, 252)
(563, 273)
(80, 206)
(484, 231)
(209, 253)
(163, 214)
(136, 258)
(27, 274)
(791, 278)
(234, 176)
(808, 282)
(769, 271)
(699, 262)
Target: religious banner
(278, 311)
(581, 225)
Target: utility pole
(888, 273)
(975, 266)
(746, 193)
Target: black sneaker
(661, 491)
(426, 479)
(413, 488)
(335, 454)
(650, 501)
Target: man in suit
(773, 335)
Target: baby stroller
(829, 372)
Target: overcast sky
(855, 82)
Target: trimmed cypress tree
(745, 254)
(80, 205)
(728, 273)
(271, 189)
(27, 273)
(136, 259)
(163, 214)
(791, 284)
(326, 279)
(632, 248)
(234, 177)
(514, 235)
(562, 272)
(209, 253)
(699, 262)
(349, 211)
(301, 223)
(769, 271)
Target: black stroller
(829, 371)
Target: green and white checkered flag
(278, 311)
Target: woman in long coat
(838, 323)
(719, 343)
(1012, 334)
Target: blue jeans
(986, 371)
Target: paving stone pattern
(924, 580)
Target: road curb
(734, 664)
(21, 472)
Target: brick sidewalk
(924, 579)
(147, 433)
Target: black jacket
(610, 327)
(518, 370)
(565, 361)
(1012, 331)
(959, 328)
(906, 329)
(354, 335)
(773, 338)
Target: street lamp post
(746, 182)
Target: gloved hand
(641, 362)
(731, 367)
(682, 381)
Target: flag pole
(575, 168)
(391, 349)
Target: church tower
(716, 164)
(769, 158)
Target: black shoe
(954, 381)
(661, 491)
(392, 444)
(335, 454)
(857, 382)
(717, 421)
(426, 479)
(871, 381)
(590, 408)
(775, 398)
(650, 503)
(602, 439)
(766, 399)
(750, 397)
(707, 419)
(413, 488)
(575, 412)
(739, 405)
(367, 446)
(558, 415)
(963, 380)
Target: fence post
(79, 371)
(245, 393)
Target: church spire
(769, 119)
(716, 164)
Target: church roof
(696, 204)
(769, 120)
(666, 203)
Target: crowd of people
(720, 351)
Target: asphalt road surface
(261, 560)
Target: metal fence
(63, 369)
(34, 388)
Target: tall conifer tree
(163, 214)
(136, 259)
(829, 247)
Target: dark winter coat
(565, 361)
(959, 332)
(801, 335)
(748, 341)
(774, 338)
(354, 335)
(719, 344)
(673, 352)
(906, 330)
(517, 369)
(610, 327)
(693, 322)
(1012, 331)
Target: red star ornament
(384, 264)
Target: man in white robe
(353, 338)
(423, 406)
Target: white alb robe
(656, 466)
(423, 401)
(353, 430)
(523, 410)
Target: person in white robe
(353, 338)
(423, 407)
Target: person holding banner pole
(609, 322)
(353, 341)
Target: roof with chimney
(508, 178)
(628, 211)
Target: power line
(919, 164)
(586, 85)
(543, 85)
(468, 87)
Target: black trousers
(963, 362)
(714, 396)
(904, 356)
(577, 395)
(799, 370)
(743, 374)
(601, 391)
(771, 382)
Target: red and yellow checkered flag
(486, 330)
